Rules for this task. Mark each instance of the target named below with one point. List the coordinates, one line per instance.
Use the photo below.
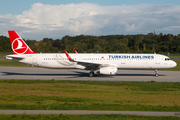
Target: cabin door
(157, 60)
(34, 60)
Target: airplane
(101, 63)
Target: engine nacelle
(80, 67)
(108, 70)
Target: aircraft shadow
(138, 75)
(128, 74)
(36, 74)
(77, 74)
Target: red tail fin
(18, 45)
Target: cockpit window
(166, 59)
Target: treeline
(103, 44)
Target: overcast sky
(36, 19)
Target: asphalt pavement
(75, 112)
(34, 73)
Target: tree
(105, 44)
(150, 34)
(160, 38)
(137, 48)
(57, 44)
(41, 47)
(144, 48)
(164, 48)
(97, 48)
(135, 43)
(65, 39)
(153, 49)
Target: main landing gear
(156, 73)
(91, 74)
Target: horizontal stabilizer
(16, 57)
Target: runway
(34, 73)
(88, 112)
(2, 58)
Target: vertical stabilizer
(18, 45)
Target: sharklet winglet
(69, 58)
(75, 52)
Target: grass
(177, 56)
(10, 63)
(85, 117)
(89, 95)
(2, 55)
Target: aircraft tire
(91, 74)
(156, 75)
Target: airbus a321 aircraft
(106, 64)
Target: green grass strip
(10, 63)
(85, 117)
(89, 95)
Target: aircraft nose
(174, 64)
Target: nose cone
(174, 64)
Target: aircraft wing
(88, 65)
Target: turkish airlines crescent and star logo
(18, 46)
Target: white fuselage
(121, 61)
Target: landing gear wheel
(91, 74)
(156, 73)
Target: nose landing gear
(156, 73)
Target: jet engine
(108, 70)
(80, 67)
